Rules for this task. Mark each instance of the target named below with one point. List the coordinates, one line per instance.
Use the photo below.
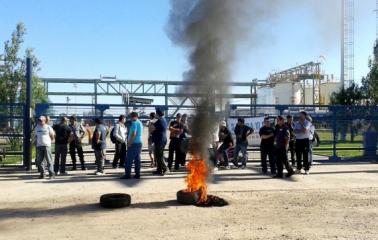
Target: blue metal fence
(344, 131)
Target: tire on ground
(115, 200)
(187, 198)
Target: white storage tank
(287, 93)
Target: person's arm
(51, 133)
(250, 131)
(266, 136)
(116, 133)
(171, 128)
(133, 134)
(132, 137)
(287, 138)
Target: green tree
(370, 82)
(13, 84)
(12, 76)
(353, 95)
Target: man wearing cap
(267, 147)
(159, 139)
(63, 133)
(175, 129)
(225, 138)
(77, 135)
(282, 137)
(44, 135)
(302, 142)
(134, 146)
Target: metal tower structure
(300, 74)
(347, 43)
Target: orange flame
(196, 179)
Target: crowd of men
(293, 138)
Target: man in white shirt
(302, 143)
(120, 134)
(44, 135)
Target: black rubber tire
(187, 198)
(115, 200)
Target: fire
(196, 179)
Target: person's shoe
(41, 176)
(289, 174)
(137, 177)
(51, 176)
(307, 172)
(243, 167)
(164, 172)
(99, 173)
(278, 176)
(57, 173)
(84, 168)
(73, 168)
(63, 174)
(298, 171)
(235, 164)
(215, 169)
(227, 167)
(125, 177)
(115, 167)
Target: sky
(127, 38)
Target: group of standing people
(295, 138)
(291, 137)
(178, 135)
(68, 137)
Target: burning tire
(188, 198)
(115, 200)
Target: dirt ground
(337, 201)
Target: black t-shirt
(267, 131)
(281, 135)
(62, 132)
(225, 136)
(241, 133)
(176, 125)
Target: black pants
(268, 151)
(292, 152)
(159, 158)
(181, 155)
(120, 154)
(174, 149)
(60, 158)
(282, 160)
(302, 147)
(223, 152)
(75, 145)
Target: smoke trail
(210, 30)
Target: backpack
(112, 138)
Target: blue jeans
(241, 147)
(133, 155)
